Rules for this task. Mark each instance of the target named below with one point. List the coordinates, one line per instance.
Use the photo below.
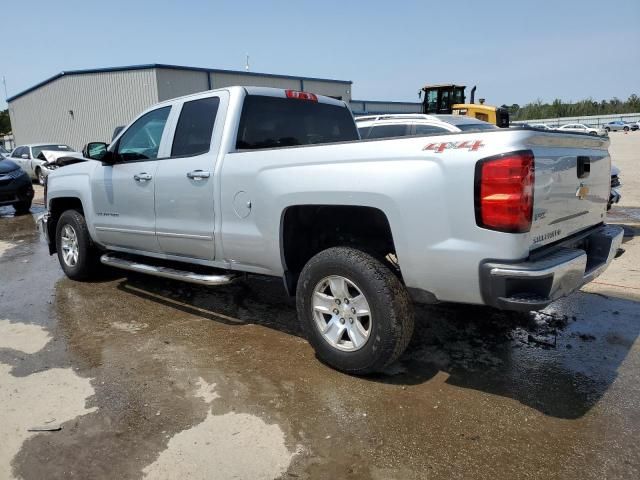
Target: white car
(29, 158)
(402, 125)
(541, 126)
(582, 128)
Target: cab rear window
(273, 122)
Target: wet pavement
(143, 377)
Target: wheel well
(308, 229)
(57, 207)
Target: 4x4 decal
(471, 145)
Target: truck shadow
(560, 361)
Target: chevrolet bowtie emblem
(582, 192)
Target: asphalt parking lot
(133, 377)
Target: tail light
(301, 95)
(504, 192)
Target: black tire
(39, 176)
(88, 259)
(392, 317)
(607, 129)
(626, 129)
(22, 208)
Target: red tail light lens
(301, 95)
(504, 192)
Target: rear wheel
(77, 255)
(354, 310)
(626, 129)
(607, 129)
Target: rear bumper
(533, 284)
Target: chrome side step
(165, 272)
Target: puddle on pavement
(46, 400)
(170, 364)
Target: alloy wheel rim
(341, 313)
(69, 244)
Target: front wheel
(40, 176)
(354, 310)
(77, 255)
(626, 129)
(607, 129)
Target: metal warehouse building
(79, 106)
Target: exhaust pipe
(473, 94)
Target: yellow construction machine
(450, 99)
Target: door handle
(142, 177)
(198, 175)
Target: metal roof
(170, 67)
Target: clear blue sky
(515, 52)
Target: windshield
(471, 127)
(56, 148)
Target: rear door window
(385, 131)
(195, 126)
(364, 132)
(274, 122)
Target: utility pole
(246, 66)
(4, 81)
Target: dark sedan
(15, 186)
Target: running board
(165, 272)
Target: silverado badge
(582, 192)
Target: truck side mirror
(95, 151)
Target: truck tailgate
(572, 185)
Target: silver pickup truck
(277, 182)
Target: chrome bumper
(534, 284)
(42, 222)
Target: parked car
(15, 186)
(55, 159)
(540, 126)
(581, 128)
(616, 184)
(277, 182)
(400, 125)
(617, 126)
(29, 159)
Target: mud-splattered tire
(72, 235)
(388, 327)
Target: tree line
(5, 123)
(558, 108)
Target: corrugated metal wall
(330, 89)
(99, 101)
(176, 83)
(220, 80)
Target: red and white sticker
(470, 145)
